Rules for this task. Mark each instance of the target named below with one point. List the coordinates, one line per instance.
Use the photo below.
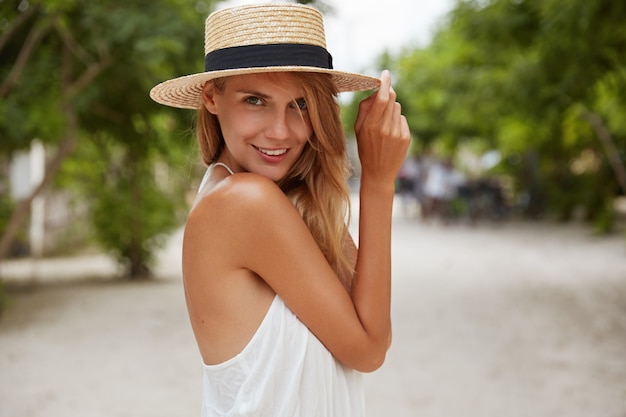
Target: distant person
(410, 181)
(440, 189)
(409, 171)
(286, 311)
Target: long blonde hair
(317, 183)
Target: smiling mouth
(272, 152)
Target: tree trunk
(32, 40)
(138, 265)
(610, 149)
(22, 210)
(16, 23)
(70, 88)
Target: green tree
(76, 75)
(540, 80)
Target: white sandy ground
(513, 320)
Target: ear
(208, 97)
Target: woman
(285, 310)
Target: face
(264, 120)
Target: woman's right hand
(382, 134)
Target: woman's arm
(259, 229)
(383, 138)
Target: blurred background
(515, 181)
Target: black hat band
(276, 55)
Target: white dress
(284, 371)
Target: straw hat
(260, 38)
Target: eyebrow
(254, 93)
(262, 95)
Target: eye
(254, 100)
(300, 104)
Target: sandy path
(513, 321)
(517, 320)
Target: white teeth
(275, 152)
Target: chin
(272, 173)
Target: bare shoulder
(247, 222)
(237, 219)
(235, 198)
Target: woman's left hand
(382, 133)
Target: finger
(396, 119)
(401, 127)
(380, 99)
(406, 132)
(378, 108)
(391, 108)
(385, 85)
(364, 108)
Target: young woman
(286, 311)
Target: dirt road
(515, 320)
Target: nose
(278, 126)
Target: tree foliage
(76, 75)
(542, 81)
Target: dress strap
(225, 166)
(208, 172)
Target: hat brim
(185, 92)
